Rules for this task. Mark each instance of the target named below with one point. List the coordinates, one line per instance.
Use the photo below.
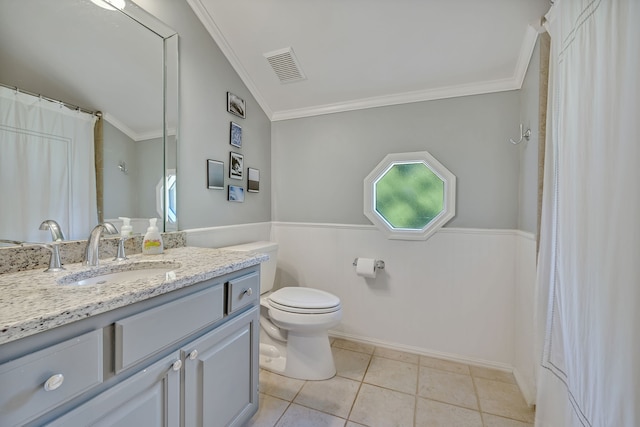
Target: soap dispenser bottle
(152, 242)
(126, 230)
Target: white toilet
(293, 323)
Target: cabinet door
(149, 398)
(221, 374)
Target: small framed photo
(235, 105)
(215, 175)
(235, 165)
(253, 180)
(235, 137)
(236, 193)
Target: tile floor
(375, 387)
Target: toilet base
(304, 356)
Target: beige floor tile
(495, 421)
(492, 374)
(399, 376)
(444, 365)
(299, 416)
(354, 346)
(352, 424)
(334, 396)
(270, 410)
(430, 413)
(381, 407)
(350, 364)
(499, 398)
(447, 387)
(278, 386)
(396, 355)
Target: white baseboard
(424, 352)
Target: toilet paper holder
(379, 264)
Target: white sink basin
(120, 273)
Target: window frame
(449, 194)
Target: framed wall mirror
(121, 62)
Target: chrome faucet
(56, 232)
(93, 242)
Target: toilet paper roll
(366, 267)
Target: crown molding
(135, 136)
(401, 98)
(478, 88)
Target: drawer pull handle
(176, 365)
(53, 382)
(193, 355)
(248, 292)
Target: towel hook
(523, 135)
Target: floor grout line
(416, 396)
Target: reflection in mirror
(123, 63)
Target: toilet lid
(304, 300)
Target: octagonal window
(409, 195)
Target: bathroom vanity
(174, 348)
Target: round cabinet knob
(176, 365)
(193, 355)
(248, 292)
(53, 382)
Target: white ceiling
(367, 53)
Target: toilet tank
(267, 268)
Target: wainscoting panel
(452, 295)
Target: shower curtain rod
(62, 103)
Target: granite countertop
(34, 301)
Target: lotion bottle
(152, 242)
(126, 230)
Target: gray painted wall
(320, 163)
(529, 116)
(205, 78)
(119, 188)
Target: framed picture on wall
(236, 193)
(235, 165)
(215, 175)
(235, 135)
(235, 105)
(253, 180)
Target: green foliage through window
(409, 195)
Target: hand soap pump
(126, 230)
(152, 243)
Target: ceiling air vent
(285, 65)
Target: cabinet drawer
(68, 368)
(243, 291)
(143, 334)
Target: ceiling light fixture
(110, 4)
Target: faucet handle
(121, 256)
(54, 261)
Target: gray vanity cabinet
(186, 358)
(221, 375)
(149, 398)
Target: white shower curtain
(589, 265)
(47, 168)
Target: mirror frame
(170, 100)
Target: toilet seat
(302, 300)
